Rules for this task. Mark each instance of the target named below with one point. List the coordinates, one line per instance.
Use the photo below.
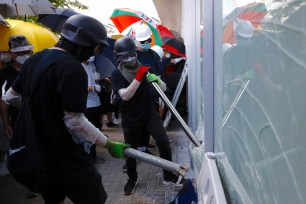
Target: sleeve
(82, 131)
(118, 85)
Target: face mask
(6, 58)
(145, 46)
(22, 59)
(130, 62)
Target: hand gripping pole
(181, 169)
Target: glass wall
(260, 92)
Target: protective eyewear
(148, 41)
(128, 57)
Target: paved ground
(150, 189)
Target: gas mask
(21, 59)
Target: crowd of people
(72, 98)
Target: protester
(138, 111)
(19, 50)
(58, 106)
(93, 112)
(148, 57)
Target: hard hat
(143, 32)
(19, 43)
(244, 28)
(84, 31)
(124, 46)
(158, 50)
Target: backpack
(25, 160)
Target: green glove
(116, 148)
(153, 78)
(248, 75)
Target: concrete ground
(150, 189)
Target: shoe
(124, 168)
(129, 187)
(3, 170)
(173, 179)
(111, 124)
(150, 147)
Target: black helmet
(84, 31)
(125, 46)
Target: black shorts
(81, 186)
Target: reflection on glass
(263, 96)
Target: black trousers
(82, 186)
(133, 135)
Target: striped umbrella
(253, 12)
(124, 18)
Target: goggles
(148, 41)
(128, 57)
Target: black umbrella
(105, 61)
(175, 46)
(55, 21)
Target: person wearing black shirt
(58, 106)
(138, 111)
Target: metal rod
(237, 98)
(157, 161)
(176, 95)
(177, 115)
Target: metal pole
(177, 115)
(177, 94)
(181, 169)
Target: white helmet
(158, 50)
(143, 32)
(244, 28)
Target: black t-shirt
(9, 74)
(139, 107)
(63, 86)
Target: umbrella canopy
(55, 21)
(175, 46)
(253, 12)
(105, 61)
(38, 36)
(18, 8)
(124, 18)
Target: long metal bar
(176, 95)
(237, 98)
(181, 169)
(177, 115)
